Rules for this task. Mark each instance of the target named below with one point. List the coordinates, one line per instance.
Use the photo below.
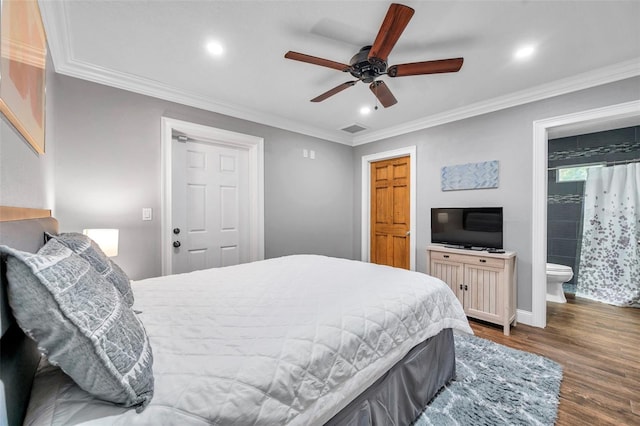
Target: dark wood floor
(598, 346)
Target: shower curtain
(609, 269)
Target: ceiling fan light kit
(371, 61)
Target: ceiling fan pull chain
(375, 107)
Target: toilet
(556, 276)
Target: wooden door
(210, 205)
(390, 212)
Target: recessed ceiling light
(365, 110)
(524, 52)
(215, 48)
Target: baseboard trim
(525, 317)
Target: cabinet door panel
(484, 294)
(451, 274)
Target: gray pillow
(81, 323)
(91, 252)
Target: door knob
(176, 244)
(176, 231)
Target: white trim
(582, 81)
(539, 227)
(541, 130)
(158, 90)
(255, 147)
(366, 211)
(524, 317)
(56, 22)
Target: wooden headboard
(23, 229)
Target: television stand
(484, 283)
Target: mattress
(290, 340)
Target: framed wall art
(23, 57)
(470, 176)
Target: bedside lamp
(107, 239)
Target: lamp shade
(107, 239)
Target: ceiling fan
(371, 61)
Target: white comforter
(290, 340)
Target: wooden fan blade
(333, 91)
(426, 67)
(398, 16)
(316, 61)
(383, 93)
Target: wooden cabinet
(485, 283)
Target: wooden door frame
(409, 151)
(255, 147)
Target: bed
(298, 340)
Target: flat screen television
(467, 227)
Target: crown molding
(609, 74)
(55, 19)
(158, 90)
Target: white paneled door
(210, 205)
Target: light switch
(147, 213)
(305, 153)
(312, 154)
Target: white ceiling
(158, 48)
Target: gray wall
(505, 136)
(107, 168)
(308, 203)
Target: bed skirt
(400, 396)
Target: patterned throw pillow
(86, 248)
(81, 323)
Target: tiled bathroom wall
(564, 200)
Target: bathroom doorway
(590, 121)
(571, 159)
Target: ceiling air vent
(354, 128)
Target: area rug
(496, 385)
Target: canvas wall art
(23, 58)
(470, 176)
